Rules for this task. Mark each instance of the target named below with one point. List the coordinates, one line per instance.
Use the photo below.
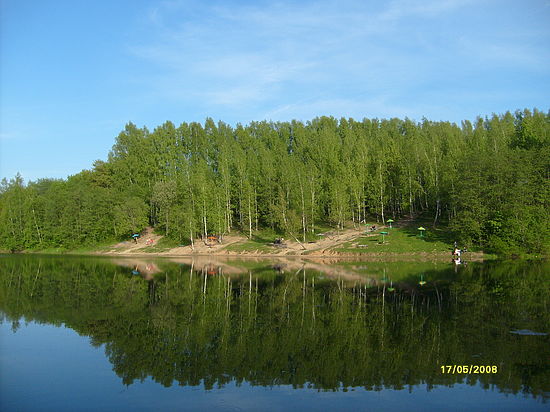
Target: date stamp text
(468, 369)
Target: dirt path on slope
(148, 238)
(331, 240)
(322, 246)
(201, 248)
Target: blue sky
(73, 73)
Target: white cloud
(380, 106)
(501, 52)
(7, 136)
(405, 8)
(339, 57)
(251, 50)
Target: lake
(89, 334)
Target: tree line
(488, 181)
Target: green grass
(84, 249)
(162, 245)
(260, 241)
(400, 240)
(404, 239)
(251, 246)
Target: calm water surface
(97, 334)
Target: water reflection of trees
(189, 327)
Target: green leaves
(130, 216)
(487, 181)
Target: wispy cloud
(266, 58)
(7, 136)
(65, 84)
(398, 9)
(501, 52)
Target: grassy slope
(259, 242)
(400, 240)
(403, 238)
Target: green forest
(487, 182)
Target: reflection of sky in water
(48, 368)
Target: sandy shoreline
(322, 249)
(388, 256)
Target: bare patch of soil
(322, 248)
(148, 238)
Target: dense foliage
(303, 329)
(488, 181)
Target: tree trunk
(249, 217)
(36, 224)
(191, 235)
(381, 194)
(304, 229)
(410, 196)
